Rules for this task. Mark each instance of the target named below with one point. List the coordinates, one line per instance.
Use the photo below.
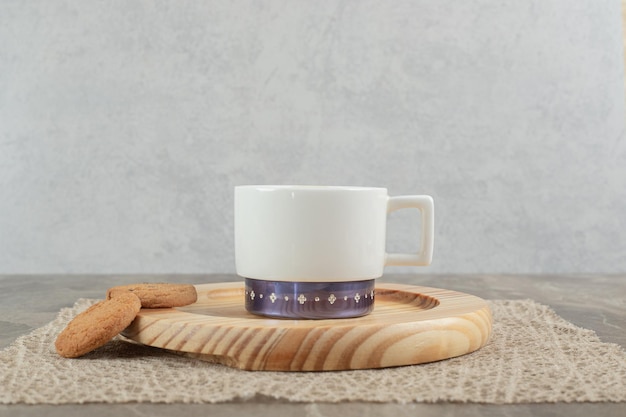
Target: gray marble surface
(125, 125)
(595, 302)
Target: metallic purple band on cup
(309, 300)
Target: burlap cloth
(533, 356)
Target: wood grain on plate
(409, 325)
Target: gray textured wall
(125, 125)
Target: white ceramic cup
(321, 234)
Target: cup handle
(426, 207)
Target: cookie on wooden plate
(97, 325)
(161, 295)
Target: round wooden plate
(409, 325)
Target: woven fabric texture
(533, 356)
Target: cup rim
(305, 187)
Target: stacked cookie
(104, 320)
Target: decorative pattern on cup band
(310, 300)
